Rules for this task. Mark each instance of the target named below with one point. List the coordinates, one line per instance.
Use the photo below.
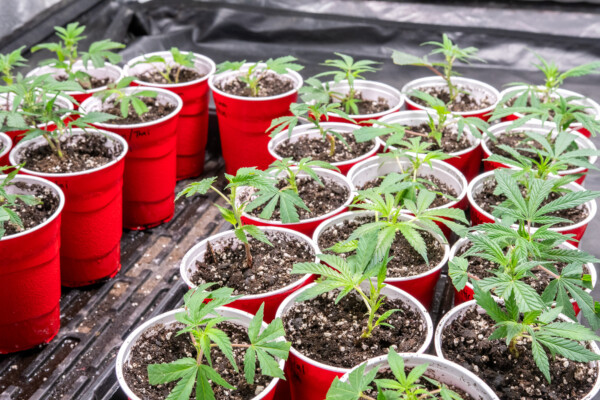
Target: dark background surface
(567, 32)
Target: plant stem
(473, 276)
(415, 133)
(331, 140)
(249, 261)
(552, 274)
(429, 394)
(512, 347)
(364, 396)
(177, 74)
(211, 251)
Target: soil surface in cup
(366, 106)
(270, 84)
(80, 153)
(160, 344)
(406, 261)
(519, 141)
(388, 374)
(318, 148)
(226, 264)
(450, 141)
(465, 342)
(331, 334)
(320, 199)
(434, 184)
(92, 83)
(463, 102)
(32, 215)
(482, 268)
(156, 110)
(178, 74)
(487, 200)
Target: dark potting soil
(487, 200)
(156, 110)
(177, 74)
(465, 342)
(480, 267)
(35, 215)
(387, 373)
(464, 101)
(320, 200)
(271, 84)
(517, 141)
(80, 153)
(368, 106)
(317, 148)
(450, 142)
(331, 334)
(438, 186)
(405, 262)
(94, 83)
(160, 344)
(272, 265)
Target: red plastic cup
(235, 316)
(310, 379)
(192, 128)
(114, 72)
(308, 130)
(421, 286)
(370, 90)
(593, 107)
(149, 179)
(243, 121)
(5, 146)
(478, 89)
(30, 280)
(536, 127)
(306, 226)
(92, 220)
(480, 216)
(249, 303)
(467, 161)
(61, 101)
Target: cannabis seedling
(451, 53)
(170, 70)
(287, 197)
(244, 177)
(10, 61)
(67, 53)
(201, 319)
(10, 202)
(406, 386)
(255, 73)
(346, 69)
(348, 274)
(119, 97)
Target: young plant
(119, 97)
(451, 52)
(255, 73)
(345, 68)
(348, 274)
(9, 203)
(287, 197)
(539, 328)
(170, 70)
(67, 52)
(406, 386)
(201, 318)
(244, 177)
(10, 61)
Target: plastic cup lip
(543, 128)
(367, 84)
(190, 257)
(40, 181)
(79, 66)
(212, 82)
(168, 317)
(474, 184)
(305, 129)
(167, 55)
(359, 168)
(436, 81)
(6, 142)
(63, 101)
(406, 297)
(322, 173)
(95, 104)
(23, 144)
(400, 116)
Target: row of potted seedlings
(361, 284)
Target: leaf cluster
(10, 61)
(117, 95)
(10, 202)
(178, 62)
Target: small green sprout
(171, 70)
(9, 203)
